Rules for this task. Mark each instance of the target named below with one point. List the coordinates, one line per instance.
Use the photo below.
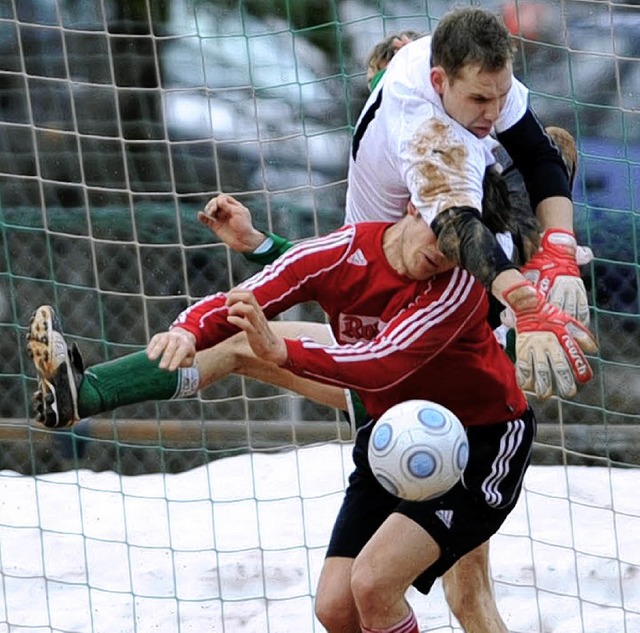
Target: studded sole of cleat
(49, 352)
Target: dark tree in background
(317, 20)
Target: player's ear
(438, 79)
(411, 210)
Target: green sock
(131, 379)
(360, 413)
(510, 347)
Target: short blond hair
(383, 52)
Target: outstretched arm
(231, 221)
(549, 341)
(547, 160)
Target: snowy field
(236, 547)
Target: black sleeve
(537, 158)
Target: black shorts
(461, 519)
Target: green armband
(268, 255)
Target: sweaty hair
(470, 35)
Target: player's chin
(423, 272)
(429, 267)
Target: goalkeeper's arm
(549, 342)
(465, 239)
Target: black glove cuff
(463, 238)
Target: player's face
(475, 98)
(421, 257)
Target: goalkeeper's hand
(554, 271)
(550, 345)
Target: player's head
(384, 51)
(411, 247)
(471, 67)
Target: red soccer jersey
(398, 338)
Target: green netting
(118, 121)
(110, 145)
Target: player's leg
(334, 605)
(234, 356)
(469, 593)
(67, 393)
(490, 498)
(365, 508)
(397, 553)
(465, 518)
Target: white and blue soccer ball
(418, 450)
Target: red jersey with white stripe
(397, 338)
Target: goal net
(118, 121)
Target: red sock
(408, 625)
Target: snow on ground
(237, 546)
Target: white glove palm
(550, 345)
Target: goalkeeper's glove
(549, 344)
(554, 271)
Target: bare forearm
(250, 241)
(506, 280)
(555, 213)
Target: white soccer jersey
(405, 145)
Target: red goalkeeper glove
(554, 271)
(549, 344)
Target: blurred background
(120, 119)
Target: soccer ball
(418, 450)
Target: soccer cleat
(60, 370)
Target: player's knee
(473, 606)
(468, 592)
(337, 614)
(368, 589)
